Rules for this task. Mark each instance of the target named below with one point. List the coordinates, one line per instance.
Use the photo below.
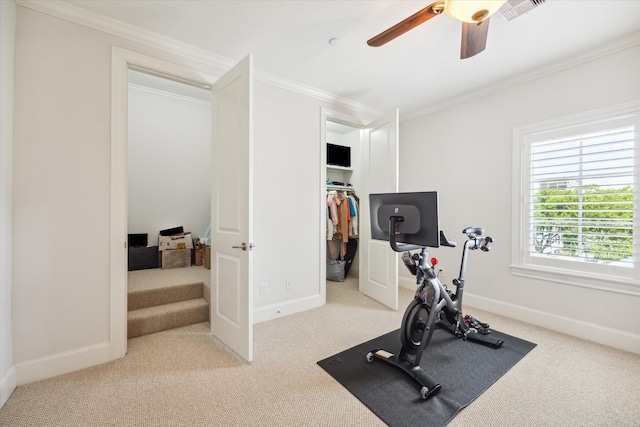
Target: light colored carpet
(161, 299)
(157, 277)
(184, 377)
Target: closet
(343, 153)
(373, 169)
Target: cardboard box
(176, 258)
(177, 241)
(198, 253)
(206, 257)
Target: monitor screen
(338, 155)
(419, 211)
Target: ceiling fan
(474, 15)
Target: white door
(231, 209)
(378, 262)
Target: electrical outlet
(289, 285)
(264, 288)
(441, 275)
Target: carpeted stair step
(149, 320)
(161, 295)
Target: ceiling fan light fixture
(472, 11)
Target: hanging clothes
(342, 220)
(353, 223)
(343, 217)
(332, 214)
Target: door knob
(244, 246)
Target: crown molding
(101, 23)
(222, 64)
(610, 48)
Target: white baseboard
(7, 385)
(577, 328)
(407, 282)
(62, 363)
(262, 314)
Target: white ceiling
(416, 72)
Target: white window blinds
(581, 194)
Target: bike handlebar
(475, 241)
(485, 246)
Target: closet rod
(340, 187)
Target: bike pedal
(475, 322)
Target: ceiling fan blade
(474, 38)
(402, 27)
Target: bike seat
(473, 231)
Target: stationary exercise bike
(434, 305)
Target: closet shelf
(339, 168)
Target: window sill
(594, 281)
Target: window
(575, 193)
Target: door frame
(364, 126)
(121, 61)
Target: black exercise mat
(464, 369)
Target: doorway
(168, 186)
(232, 123)
(374, 169)
(343, 156)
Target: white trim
(588, 331)
(107, 25)
(407, 282)
(324, 114)
(590, 277)
(110, 26)
(118, 214)
(286, 308)
(62, 363)
(7, 385)
(357, 123)
(121, 60)
(555, 67)
(98, 22)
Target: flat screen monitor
(419, 211)
(338, 155)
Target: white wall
(169, 162)
(464, 152)
(61, 186)
(287, 202)
(61, 190)
(61, 264)
(7, 57)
